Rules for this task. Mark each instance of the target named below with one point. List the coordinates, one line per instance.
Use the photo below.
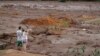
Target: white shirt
(24, 37)
(19, 35)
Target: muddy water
(72, 6)
(53, 45)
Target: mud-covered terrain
(67, 29)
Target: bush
(62, 0)
(98, 0)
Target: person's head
(19, 27)
(23, 30)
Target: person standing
(25, 39)
(19, 38)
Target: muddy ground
(86, 33)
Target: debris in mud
(88, 17)
(39, 30)
(52, 32)
(44, 41)
(96, 45)
(7, 6)
(4, 36)
(8, 38)
(84, 43)
(7, 35)
(2, 45)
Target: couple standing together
(22, 39)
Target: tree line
(50, 0)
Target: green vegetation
(64, 23)
(82, 52)
(96, 52)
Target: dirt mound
(48, 21)
(41, 21)
(12, 52)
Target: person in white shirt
(25, 40)
(19, 38)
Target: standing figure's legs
(19, 45)
(25, 46)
